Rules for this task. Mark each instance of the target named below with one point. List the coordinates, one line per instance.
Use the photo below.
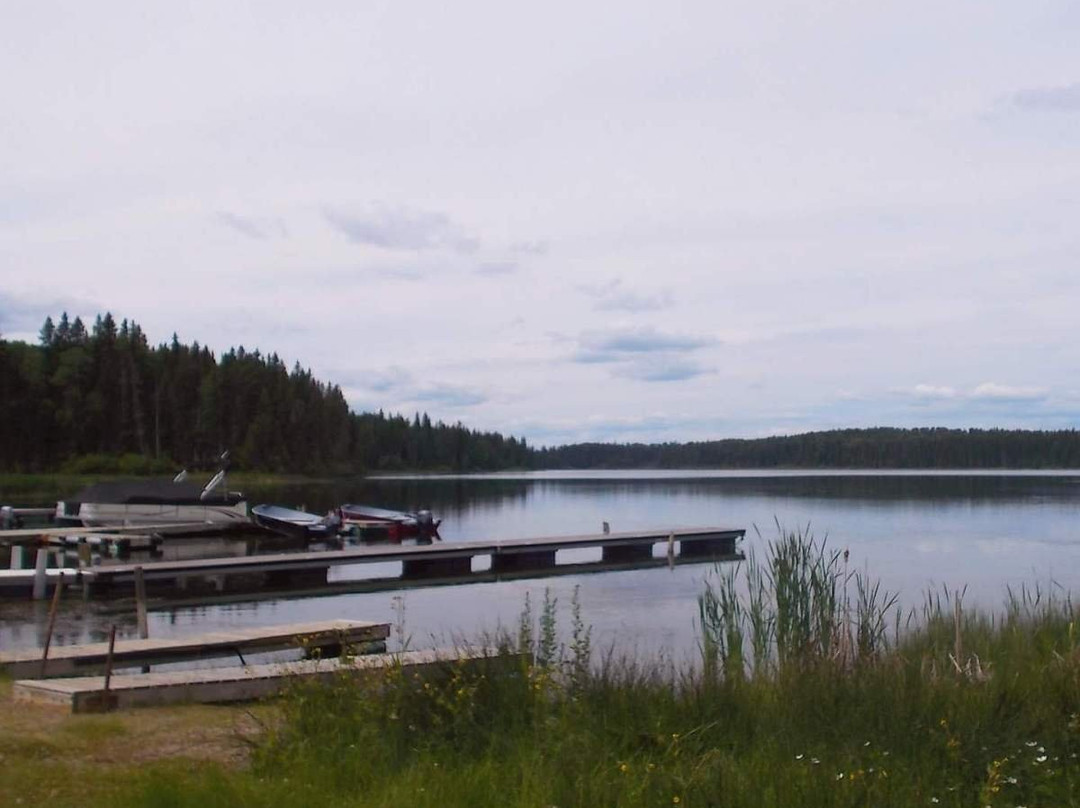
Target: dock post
(18, 553)
(140, 608)
(106, 697)
(41, 562)
(52, 622)
(140, 604)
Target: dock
(183, 599)
(31, 535)
(327, 636)
(422, 564)
(88, 693)
(417, 561)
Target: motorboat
(295, 523)
(181, 505)
(397, 524)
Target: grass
(814, 689)
(48, 757)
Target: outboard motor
(425, 520)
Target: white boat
(155, 503)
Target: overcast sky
(568, 221)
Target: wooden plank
(65, 660)
(86, 693)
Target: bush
(134, 465)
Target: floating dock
(166, 601)
(88, 694)
(32, 535)
(327, 636)
(418, 561)
(424, 564)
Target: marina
(981, 531)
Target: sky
(568, 221)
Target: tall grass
(814, 690)
(798, 607)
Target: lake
(912, 530)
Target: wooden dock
(422, 561)
(32, 535)
(67, 660)
(440, 561)
(87, 694)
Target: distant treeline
(82, 397)
(103, 399)
(878, 448)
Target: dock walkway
(88, 694)
(31, 535)
(419, 561)
(67, 660)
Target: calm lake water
(913, 531)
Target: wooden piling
(140, 604)
(106, 699)
(52, 622)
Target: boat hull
(201, 518)
(295, 524)
(396, 524)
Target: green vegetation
(104, 401)
(815, 690)
(878, 448)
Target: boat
(397, 524)
(296, 524)
(157, 503)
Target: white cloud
(758, 206)
(929, 391)
(990, 391)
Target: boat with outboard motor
(176, 502)
(397, 524)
